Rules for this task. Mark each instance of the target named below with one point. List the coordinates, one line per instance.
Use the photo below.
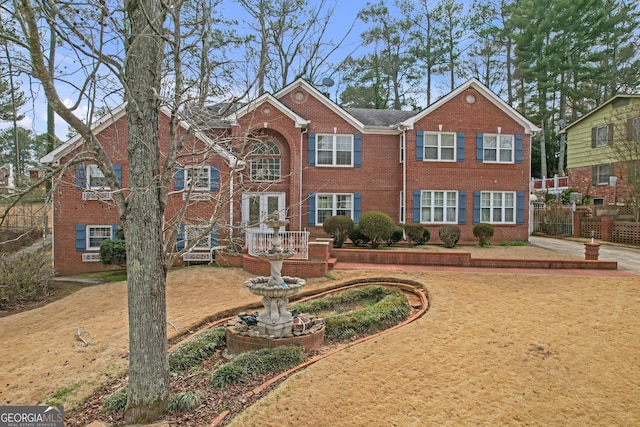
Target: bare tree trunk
(148, 387)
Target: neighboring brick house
(463, 160)
(594, 166)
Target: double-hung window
(96, 234)
(334, 150)
(439, 207)
(197, 177)
(498, 207)
(440, 146)
(601, 174)
(328, 205)
(498, 148)
(198, 234)
(601, 135)
(633, 129)
(95, 178)
(265, 161)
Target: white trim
(300, 122)
(54, 156)
(529, 127)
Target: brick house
(465, 159)
(594, 167)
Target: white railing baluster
(260, 241)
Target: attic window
(299, 96)
(470, 98)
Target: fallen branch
(174, 326)
(85, 342)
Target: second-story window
(498, 148)
(198, 177)
(334, 150)
(440, 146)
(265, 161)
(601, 136)
(96, 179)
(633, 128)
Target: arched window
(265, 161)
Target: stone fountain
(275, 326)
(275, 321)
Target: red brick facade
(294, 119)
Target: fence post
(577, 223)
(606, 228)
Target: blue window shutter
(312, 149)
(462, 207)
(479, 146)
(312, 209)
(213, 240)
(357, 150)
(117, 168)
(180, 243)
(519, 148)
(460, 146)
(81, 177)
(179, 178)
(81, 237)
(214, 178)
(114, 229)
(476, 207)
(416, 205)
(357, 207)
(520, 207)
(420, 145)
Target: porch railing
(260, 241)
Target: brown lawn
(494, 348)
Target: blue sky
(346, 12)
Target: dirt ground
(494, 348)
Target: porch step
(332, 262)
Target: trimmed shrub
(357, 238)
(196, 350)
(377, 226)
(398, 234)
(24, 278)
(339, 227)
(113, 252)
(483, 232)
(418, 234)
(449, 234)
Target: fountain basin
(261, 286)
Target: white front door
(256, 207)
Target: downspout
(231, 195)
(304, 131)
(404, 171)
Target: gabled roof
(590, 113)
(76, 141)
(529, 127)
(300, 122)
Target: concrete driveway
(628, 258)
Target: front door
(257, 206)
